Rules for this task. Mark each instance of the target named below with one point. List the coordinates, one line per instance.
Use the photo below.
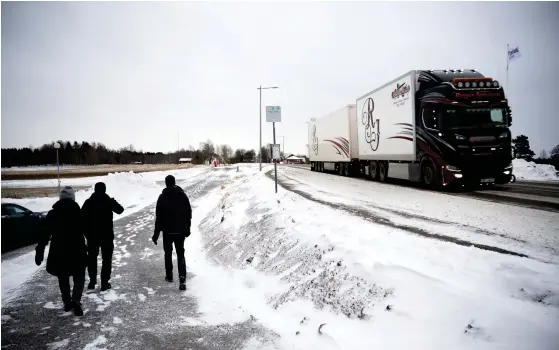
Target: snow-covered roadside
(133, 191)
(294, 264)
(15, 272)
(529, 231)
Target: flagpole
(507, 73)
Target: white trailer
(333, 141)
(386, 129)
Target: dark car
(20, 226)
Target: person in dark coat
(173, 216)
(63, 227)
(98, 215)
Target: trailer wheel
(383, 171)
(346, 169)
(428, 174)
(373, 170)
(341, 169)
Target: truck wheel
(428, 174)
(346, 170)
(383, 171)
(373, 170)
(341, 169)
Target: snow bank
(17, 271)
(132, 191)
(293, 265)
(531, 171)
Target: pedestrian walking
(173, 216)
(98, 216)
(64, 229)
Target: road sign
(273, 114)
(276, 152)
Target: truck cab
(462, 124)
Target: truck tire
(346, 169)
(373, 170)
(382, 171)
(428, 174)
(341, 169)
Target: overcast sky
(138, 73)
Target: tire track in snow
(377, 219)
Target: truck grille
(483, 139)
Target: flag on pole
(514, 53)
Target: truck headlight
(504, 135)
(460, 137)
(452, 168)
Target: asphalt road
(532, 194)
(142, 311)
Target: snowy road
(461, 219)
(142, 311)
(526, 193)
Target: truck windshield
(467, 118)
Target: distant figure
(173, 216)
(63, 226)
(98, 215)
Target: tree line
(94, 153)
(523, 151)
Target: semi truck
(437, 127)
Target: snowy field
(333, 264)
(531, 171)
(44, 168)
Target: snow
(97, 342)
(524, 170)
(133, 191)
(15, 272)
(59, 344)
(528, 231)
(293, 265)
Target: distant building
(185, 160)
(294, 160)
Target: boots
(105, 286)
(182, 285)
(77, 306)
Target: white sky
(139, 72)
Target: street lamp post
(57, 146)
(260, 122)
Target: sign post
(273, 115)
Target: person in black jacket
(63, 227)
(98, 214)
(173, 216)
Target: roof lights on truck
(495, 84)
